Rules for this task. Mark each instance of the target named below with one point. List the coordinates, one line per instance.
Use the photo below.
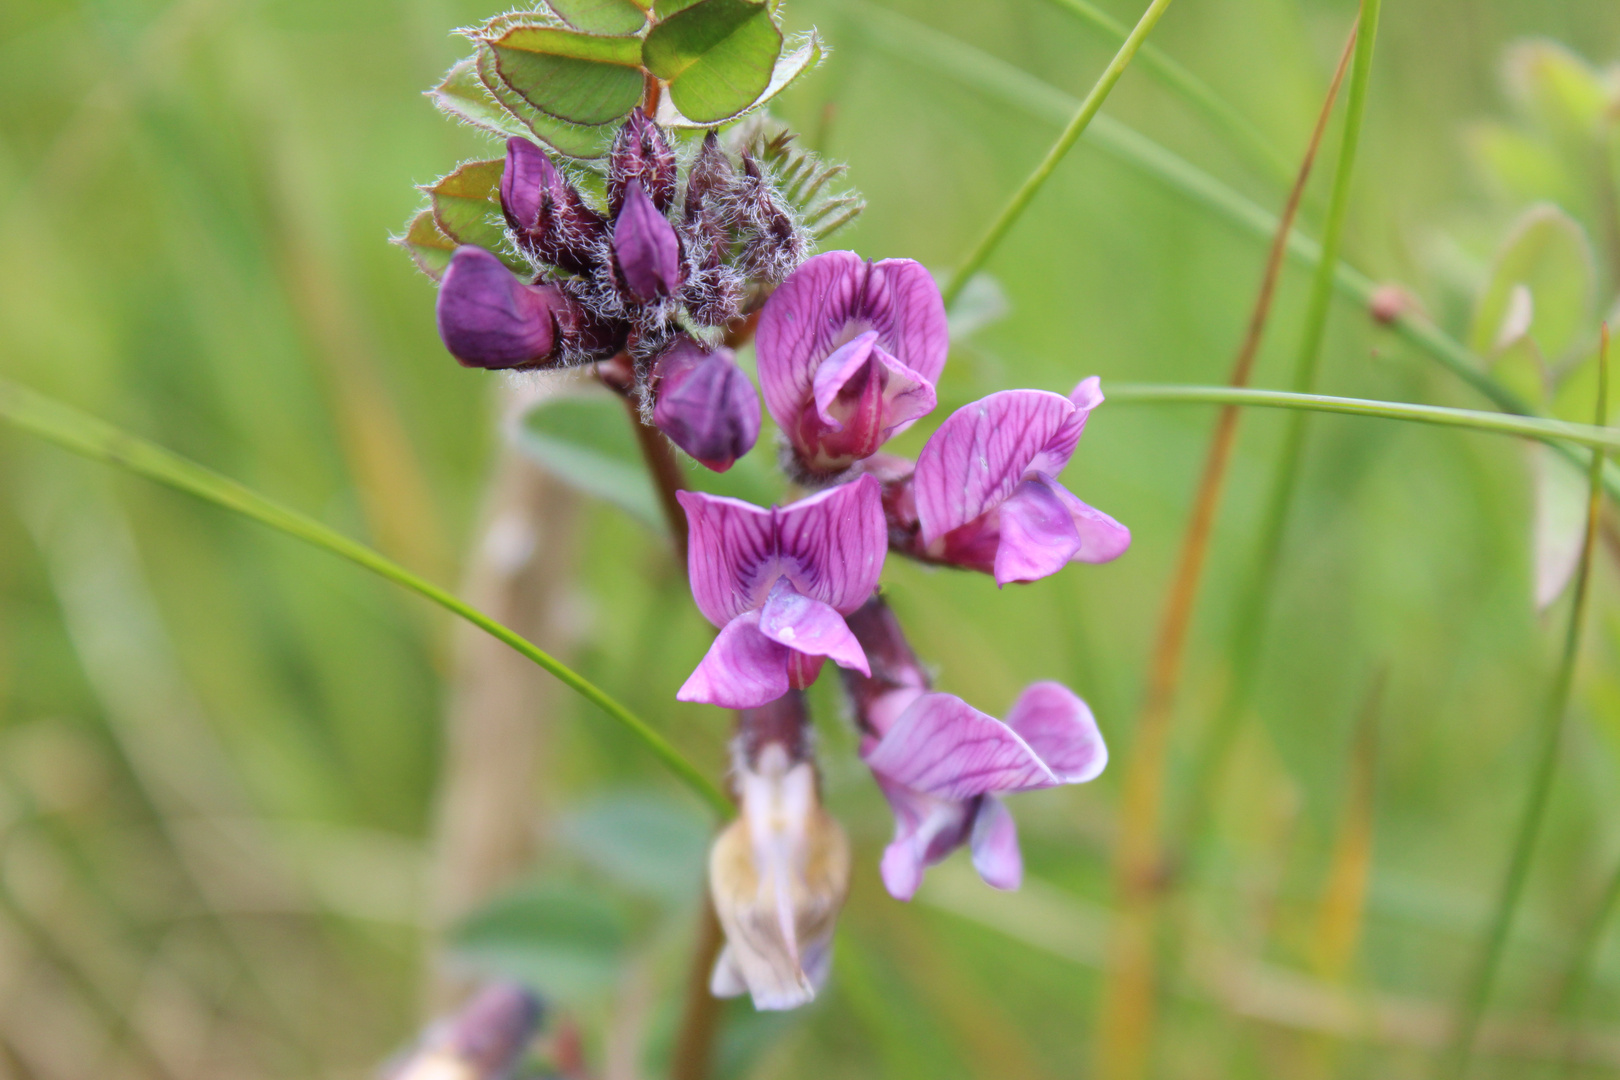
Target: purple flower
(486, 1040)
(646, 248)
(778, 583)
(848, 355)
(705, 403)
(986, 493)
(550, 219)
(943, 764)
(489, 318)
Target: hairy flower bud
(549, 218)
(705, 403)
(641, 154)
(484, 1041)
(710, 185)
(780, 872)
(489, 318)
(775, 245)
(646, 248)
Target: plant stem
(1194, 90)
(666, 476)
(700, 1017)
(1124, 1033)
(1477, 991)
(85, 435)
(1082, 117)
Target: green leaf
(581, 78)
(463, 95)
(427, 245)
(1526, 166)
(647, 843)
(600, 16)
(467, 204)
(1540, 285)
(1560, 89)
(572, 140)
(663, 9)
(561, 939)
(586, 441)
(718, 57)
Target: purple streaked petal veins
(1055, 455)
(943, 746)
(981, 453)
(926, 829)
(743, 669)
(902, 394)
(832, 545)
(646, 247)
(706, 405)
(1059, 727)
(810, 627)
(833, 298)
(994, 844)
(490, 318)
(731, 558)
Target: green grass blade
(82, 434)
(1082, 118)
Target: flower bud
(489, 318)
(710, 185)
(775, 245)
(780, 872)
(549, 218)
(484, 1041)
(706, 405)
(641, 154)
(646, 248)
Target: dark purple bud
(710, 184)
(775, 245)
(550, 218)
(646, 247)
(486, 1040)
(490, 318)
(587, 336)
(706, 405)
(898, 677)
(641, 153)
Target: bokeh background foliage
(222, 755)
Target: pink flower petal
(1059, 727)
(981, 453)
(833, 298)
(832, 545)
(1055, 455)
(1037, 535)
(732, 552)
(901, 394)
(995, 845)
(926, 829)
(945, 747)
(743, 669)
(811, 627)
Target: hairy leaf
(463, 95)
(718, 57)
(427, 244)
(572, 140)
(467, 205)
(581, 78)
(601, 16)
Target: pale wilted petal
(489, 318)
(778, 876)
(1058, 726)
(484, 1041)
(943, 746)
(743, 668)
(994, 845)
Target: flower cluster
(849, 354)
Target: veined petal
(945, 747)
(832, 545)
(995, 845)
(926, 829)
(809, 626)
(1059, 727)
(489, 318)
(743, 669)
(731, 554)
(833, 298)
(1055, 455)
(1102, 539)
(981, 453)
(1037, 536)
(901, 394)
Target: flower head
(943, 764)
(778, 583)
(779, 873)
(986, 494)
(705, 403)
(849, 352)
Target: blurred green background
(245, 789)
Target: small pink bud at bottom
(1390, 302)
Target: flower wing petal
(833, 544)
(945, 747)
(1037, 537)
(797, 622)
(1059, 727)
(926, 829)
(1102, 539)
(798, 326)
(731, 548)
(743, 669)
(980, 453)
(995, 845)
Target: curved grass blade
(82, 434)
